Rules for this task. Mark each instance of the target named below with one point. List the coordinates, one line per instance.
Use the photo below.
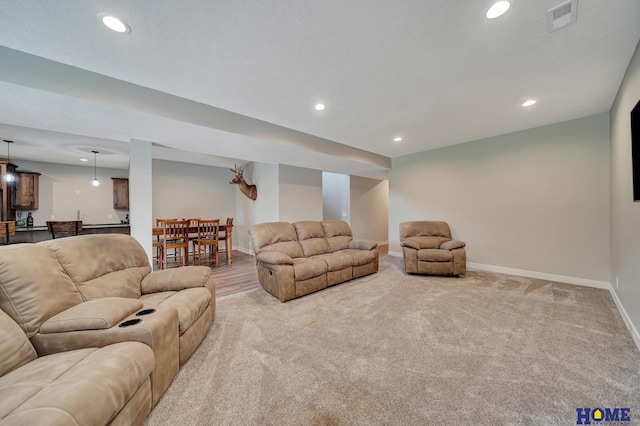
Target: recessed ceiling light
(529, 103)
(498, 9)
(84, 159)
(397, 139)
(320, 107)
(114, 24)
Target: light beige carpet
(394, 349)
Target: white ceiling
(204, 76)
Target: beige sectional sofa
(92, 386)
(294, 259)
(93, 291)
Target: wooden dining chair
(193, 226)
(224, 235)
(157, 243)
(207, 238)
(157, 246)
(175, 236)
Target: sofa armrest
(363, 244)
(411, 244)
(175, 279)
(274, 258)
(97, 314)
(451, 245)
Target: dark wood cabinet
(25, 196)
(6, 192)
(120, 193)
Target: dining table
(225, 232)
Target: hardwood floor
(242, 275)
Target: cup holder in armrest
(145, 312)
(130, 322)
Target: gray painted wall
(336, 196)
(536, 200)
(185, 190)
(64, 189)
(370, 208)
(266, 208)
(625, 214)
(300, 194)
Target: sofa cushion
(274, 258)
(190, 304)
(361, 257)
(336, 261)
(175, 279)
(303, 268)
(452, 245)
(424, 242)
(102, 265)
(435, 255)
(152, 300)
(425, 229)
(338, 234)
(15, 349)
(363, 244)
(275, 236)
(311, 238)
(99, 314)
(81, 387)
(34, 286)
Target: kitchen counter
(84, 226)
(35, 234)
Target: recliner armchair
(428, 248)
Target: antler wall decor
(251, 191)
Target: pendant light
(8, 177)
(95, 181)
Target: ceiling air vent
(562, 15)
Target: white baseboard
(539, 275)
(569, 280)
(625, 317)
(243, 250)
(395, 253)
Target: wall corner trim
(568, 280)
(243, 250)
(539, 275)
(625, 317)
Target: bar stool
(64, 228)
(7, 229)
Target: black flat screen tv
(635, 150)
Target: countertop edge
(88, 226)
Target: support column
(140, 194)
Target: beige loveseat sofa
(294, 259)
(96, 290)
(92, 386)
(428, 248)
